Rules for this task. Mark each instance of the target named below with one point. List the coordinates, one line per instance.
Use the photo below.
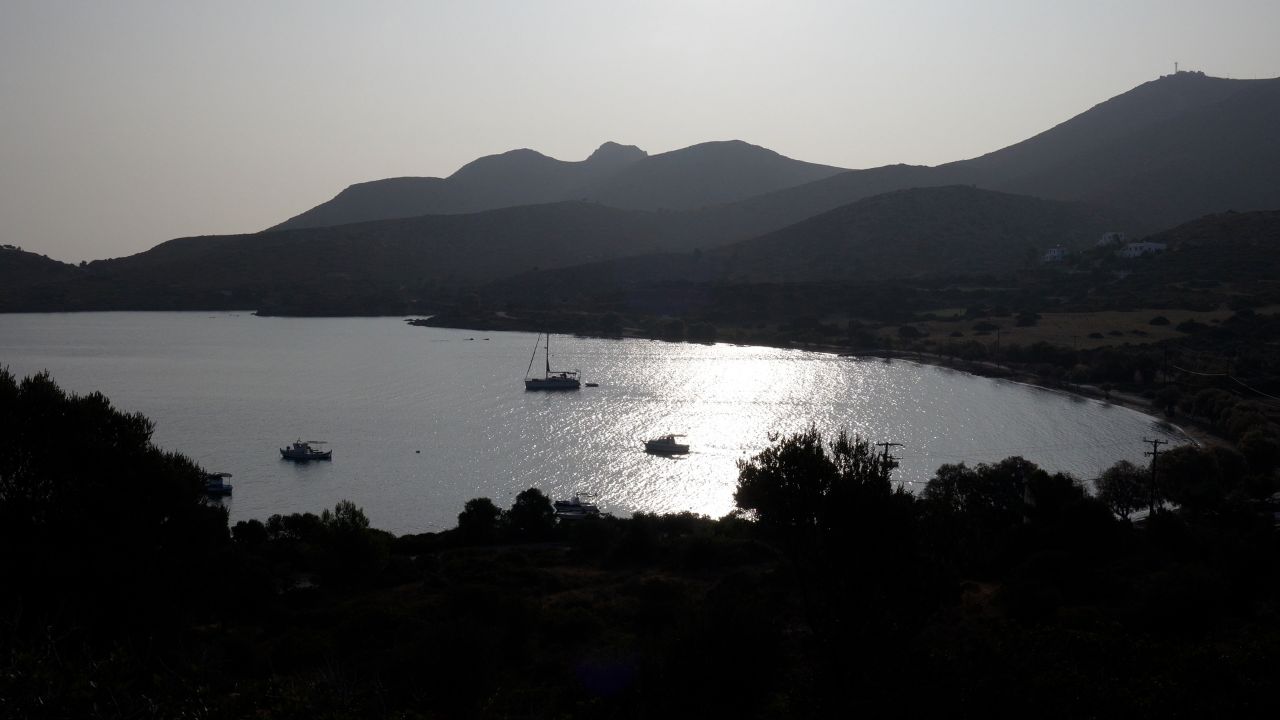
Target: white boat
(575, 508)
(551, 379)
(666, 445)
(304, 450)
(216, 484)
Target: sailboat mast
(548, 354)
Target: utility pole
(885, 457)
(1155, 453)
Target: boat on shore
(575, 508)
(666, 445)
(551, 379)
(304, 450)
(216, 485)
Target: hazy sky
(126, 123)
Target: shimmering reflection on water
(421, 419)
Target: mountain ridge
(679, 179)
(1171, 104)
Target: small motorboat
(575, 508)
(666, 445)
(304, 450)
(216, 484)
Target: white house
(1135, 249)
(1111, 238)
(1057, 253)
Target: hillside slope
(615, 175)
(518, 177)
(378, 266)
(942, 231)
(1212, 158)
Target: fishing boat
(551, 379)
(666, 445)
(216, 484)
(575, 508)
(304, 450)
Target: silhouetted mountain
(20, 269)
(1121, 117)
(518, 177)
(1168, 151)
(1211, 157)
(377, 267)
(1171, 149)
(615, 175)
(711, 173)
(30, 282)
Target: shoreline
(1188, 428)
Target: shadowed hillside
(19, 268)
(616, 175)
(1211, 158)
(950, 230)
(378, 267)
(518, 177)
(953, 230)
(707, 174)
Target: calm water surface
(422, 419)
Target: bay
(422, 419)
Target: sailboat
(552, 379)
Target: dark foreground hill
(21, 269)
(615, 175)
(378, 267)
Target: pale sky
(126, 123)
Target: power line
(1230, 377)
(885, 456)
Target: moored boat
(666, 445)
(304, 450)
(216, 484)
(551, 379)
(575, 508)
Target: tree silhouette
(87, 501)
(478, 521)
(1124, 487)
(804, 488)
(531, 517)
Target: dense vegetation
(1000, 588)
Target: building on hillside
(1057, 253)
(1111, 238)
(1137, 249)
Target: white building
(1057, 253)
(1111, 238)
(1136, 249)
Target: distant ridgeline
(1167, 152)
